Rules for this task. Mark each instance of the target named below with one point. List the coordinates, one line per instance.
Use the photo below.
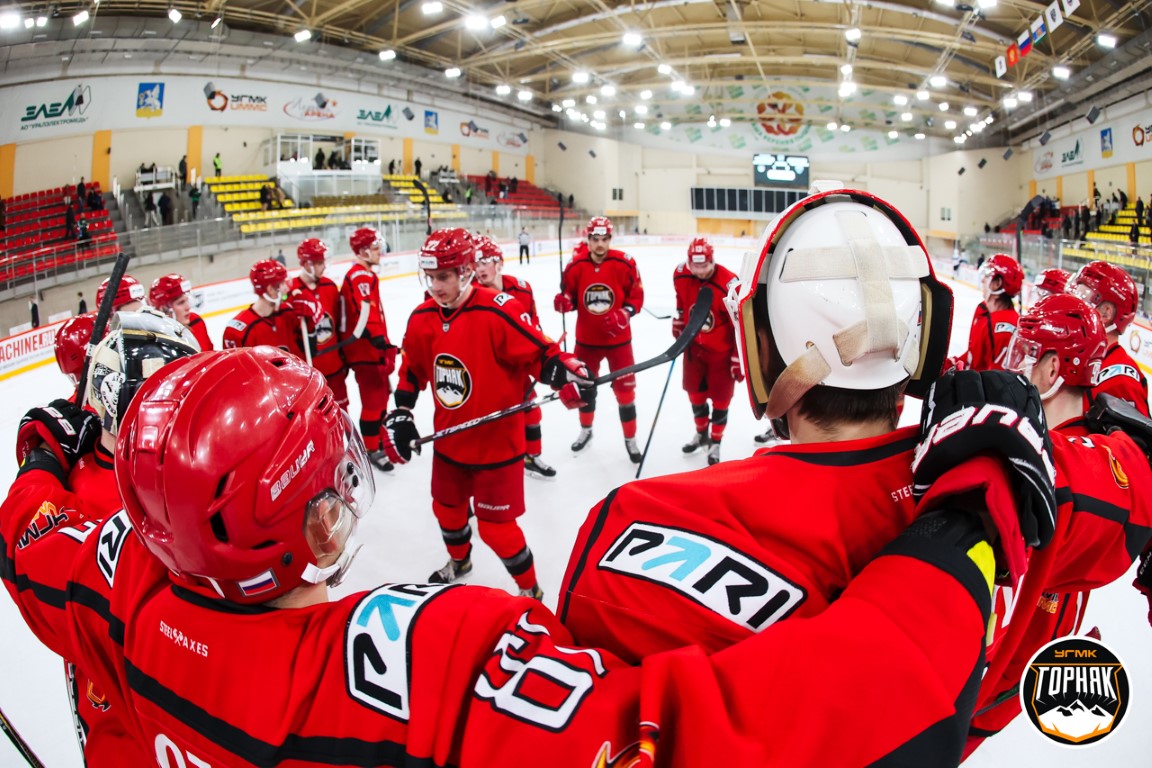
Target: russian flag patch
(258, 585)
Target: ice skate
(769, 436)
(698, 441)
(582, 439)
(534, 465)
(379, 460)
(453, 570)
(534, 592)
(714, 454)
(633, 450)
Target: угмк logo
(1075, 691)
(451, 381)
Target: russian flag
(258, 585)
(1024, 43)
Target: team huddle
(173, 536)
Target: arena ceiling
(687, 61)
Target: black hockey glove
(1110, 414)
(969, 416)
(398, 435)
(63, 427)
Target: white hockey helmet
(841, 293)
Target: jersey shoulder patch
(1003, 327)
(1119, 369)
(237, 324)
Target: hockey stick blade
(103, 313)
(659, 316)
(695, 322)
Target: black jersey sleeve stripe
(582, 562)
(539, 342)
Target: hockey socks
(507, 541)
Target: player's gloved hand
(1110, 414)
(677, 327)
(736, 368)
(958, 363)
(564, 368)
(984, 445)
(563, 303)
(380, 343)
(389, 358)
(307, 307)
(63, 427)
(616, 321)
(1143, 580)
(398, 435)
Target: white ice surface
(402, 541)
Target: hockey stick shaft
(103, 312)
(693, 325)
(657, 316)
(305, 341)
(560, 264)
(357, 332)
(18, 742)
(655, 418)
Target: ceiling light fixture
(1106, 40)
(524, 95)
(600, 115)
(970, 111)
(80, 18)
(918, 136)
(503, 89)
(845, 128)
(1025, 97)
(590, 99)
(943, 106)
(893, 134)
(217, 21)
(852, 34)
(428, 9)
(641, 109)
(1010, 102)
(387, 54)
(580, 77)
(664, 69)
(175, 15)
(832, 125)
(725, 122)
(475, 22)
(937, 81)
(950, 125)
(568, 103)
(452, 72)
(846, 69)
(633, 39)
(41, 22)
(303, 36)
(922, 95)
(900, 100)
(608, 90)
(498, 22)
(645, 94)
(638, 126)
(9, 20)
(665, 126)
(1061, 72)
(906, 117)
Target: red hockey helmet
(1051, 281)
(128, 291)
(364, 238)
(1064, 324)
(265, 274)
(453, 248)
(232, 487)
(1006, 268)
(486, 249)
(700, 251)
(1099, 282)
(312, 251)
(166, 289)
(71, 345)
(598, 225)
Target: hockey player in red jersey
(603, 287)
(368, 352)
(71, 345)
(270, 319)
(172, 295)
(490, 274)
(711, 363)
(995, 318)
(241, 507)
(1113, 292)
(129, 294)
(1050, 281)
(137, 345)
(476, 348)
(840, 314)
(327, 356)
(1104, 518)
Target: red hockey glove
(572, 397)
(616, 321)
(389, 357)
(677, 327)
(307, 308)
(398, 435)
(736, 368)
(63, 427)
(971, 414)
(1143, 580)
(565, 368)
(563, 303)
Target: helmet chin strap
(333, 574)
(1053, 389)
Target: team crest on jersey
(1075, 691)
(1120, 369)
(598, 298)
(638, 754)
(722, 579)
(451, 381)
(46, 520)
(325, 330)
(709, 324)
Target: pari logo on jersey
(724, 580)
(1119, 369)
(598, 298)
(1075, 691)
(452, 384)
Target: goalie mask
(136, 346)
(840, 293)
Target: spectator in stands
(95, 200)
(1096, 197)
(334, 161)
(1134, 233)
(266, 196)
(1099, 216)
(987, 228)
(503, 189)
(513, 184)
(81, 192)
(82, 309)
(1067, 227)
(1123, 198)
(151, 217)
(165, 208)
(280, 257)
(34, 310)
(277, 195)
(391, 167)
(69, 223)
(194, 196)
(82, 234)
(1139, 209)
(318, 165)
(218, 165)
(571, 201)
(183, 173)
(417, 166)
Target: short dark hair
(830, 407)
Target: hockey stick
(658, 317)
(18, 742)
(695, 322)
(357, 332)
(560, 264)
(655, 418)
(305, 341)
(427, 202)
(103, 312)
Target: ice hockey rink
(402, 542)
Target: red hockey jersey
(988, 338)
(280, 329)
(477, 359)
(388, 678)
(704, 558)
(1121, 377)
(93, 479)
(199, 330)
(596, 290)
(522, 292)
(362, 285)
(328, 294)
(718, 335)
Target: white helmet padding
(844, 291)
